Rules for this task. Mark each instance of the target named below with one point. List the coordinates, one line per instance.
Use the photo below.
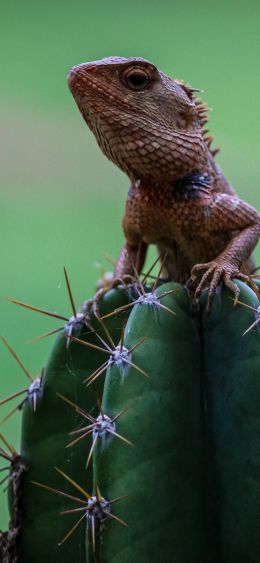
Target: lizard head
(146, 123)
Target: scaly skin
(151, 127)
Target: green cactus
(163, 475)
(47, 420)
(232, 386)
(163, 464)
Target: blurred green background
(61, 200)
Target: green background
(61, 200)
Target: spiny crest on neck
(202, 109)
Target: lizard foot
(214, 273)
(103, 286)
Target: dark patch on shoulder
(192, 186)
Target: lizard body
(152, 128)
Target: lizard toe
(233, 287)
(204, 282)
(217, 275)
(199, 268)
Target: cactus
(140, 441)
(232, 386)
(163, 475)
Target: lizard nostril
(78, 72)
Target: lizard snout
(79, 73)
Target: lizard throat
(142, 150)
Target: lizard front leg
(225, 214)
(130, 260)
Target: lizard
(153, 128)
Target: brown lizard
(152, 127)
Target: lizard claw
(214, 273)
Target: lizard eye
(136, 79)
